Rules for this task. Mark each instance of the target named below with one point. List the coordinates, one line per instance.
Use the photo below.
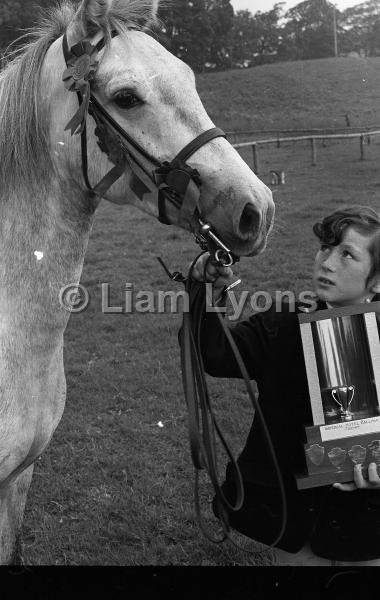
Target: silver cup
(344, 365)
(343, 396)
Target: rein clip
(207, 240)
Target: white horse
(47, 211)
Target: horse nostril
(250, 220)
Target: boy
(325, 525)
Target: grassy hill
(301, 94)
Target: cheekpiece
(81, 68)
(110, 144)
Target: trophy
(341, 349)
(343, 396)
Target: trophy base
(332, 451)
(305, 482)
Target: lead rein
(203, 427)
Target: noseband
(175, 182)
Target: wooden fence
(234, 136)
(362, 136)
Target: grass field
(114, 488)
(302, 94)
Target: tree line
(209, 35)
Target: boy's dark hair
(363, 219)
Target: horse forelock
(25, 154)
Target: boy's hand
(217, 274)
(359, 483)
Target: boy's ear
(375, 285)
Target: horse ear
(90, 18)
(154, 9)
(93, 15)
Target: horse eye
(126, 100)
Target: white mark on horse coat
(39, 255)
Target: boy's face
(340, 272)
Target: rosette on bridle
(81, 68)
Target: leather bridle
(175, 182)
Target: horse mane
(25, 154)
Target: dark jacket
(270, 345)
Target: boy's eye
(347, 254)
(126, 100)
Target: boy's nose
(329, 263)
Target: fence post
(256, 163)
(362, 147)
(313, 152)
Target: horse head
(151, 95)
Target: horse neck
(56, 223)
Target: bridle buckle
(208, 240)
